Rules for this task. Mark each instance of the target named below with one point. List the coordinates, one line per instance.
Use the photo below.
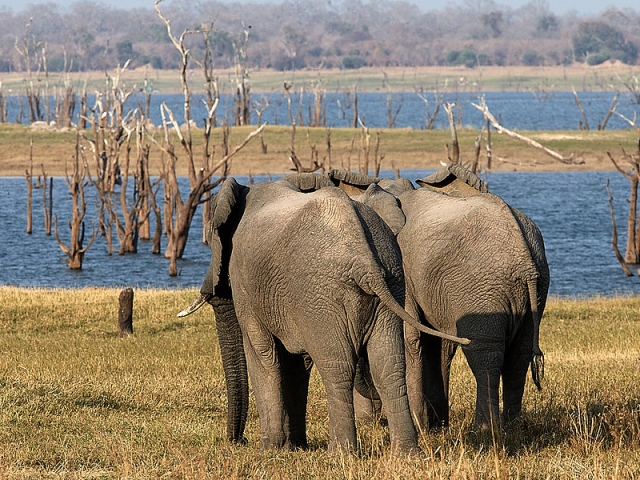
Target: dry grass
(78, 402)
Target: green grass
(79, 402)
(402, 148)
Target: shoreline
(537, 79)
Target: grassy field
(402, 149)
(369, 79)
(79, 402)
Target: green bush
(532, 59)
(350, 63)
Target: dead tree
(603, 124)
(3, 105)
(500, 129)
(29, 177)
(112, 129)
(260, 108)
(391, 115)
(614, 237)
(183, 209)
(47, 201)
(75, 181)
(632, 253)
(242, 97)
(431, 116)
(632, 85)
(453, 154)
(319, 105)
(356, 114)
(29, 53)
(584, 125)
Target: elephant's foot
(273, 442)
(406, 448)
(284, 442)
(297, 442)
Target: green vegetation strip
(79, 402)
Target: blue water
(570, 208)
(515, 110)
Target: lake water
(570, 208)
(515, 110)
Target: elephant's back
(469, 249)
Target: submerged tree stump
(125, 313)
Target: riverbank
(537, 79)
(401, 149)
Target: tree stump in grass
(125, 313)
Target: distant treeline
(295, 34)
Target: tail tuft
(537, 369)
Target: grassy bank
(78, 402)
(582, 77)
(402, 149)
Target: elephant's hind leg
(338, 378)
(387, 363)
(295, 388)
(514, 373)
(486, 365)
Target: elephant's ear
(396, 187)
(308, 182)
(224, 203)
(385, 205)
(351, 182)
(454, 180)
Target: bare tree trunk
(632, 254)
(75, 250)
(355, 107)
(585, 125)
(125, 313)
(500, 129)
(47, 201)
(611, 111)
(454, 154)
(614, 240)
(488, 145)
(29, 177)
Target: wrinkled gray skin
(297, 276)
(474, 267)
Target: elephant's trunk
(235, 367)
(233, 361)
(537, 360)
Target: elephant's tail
(537, 360)
(391, 303)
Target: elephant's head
(226, 211)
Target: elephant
(474, 267)
(298, 279)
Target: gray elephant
(297, 278)
(475, 267)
